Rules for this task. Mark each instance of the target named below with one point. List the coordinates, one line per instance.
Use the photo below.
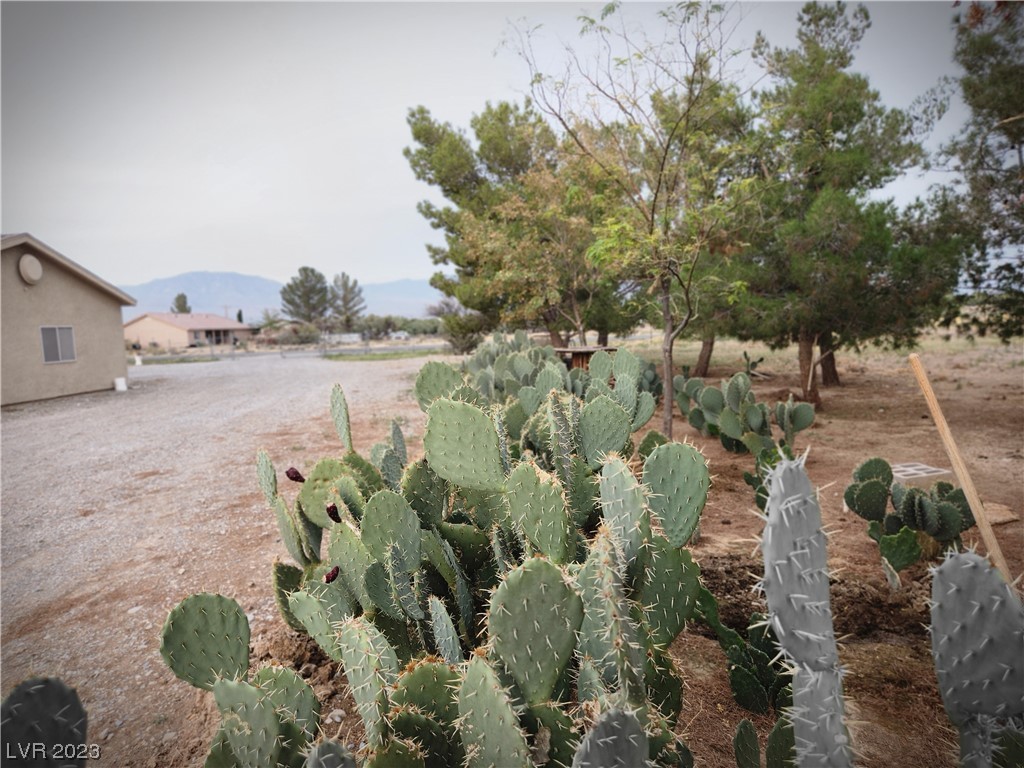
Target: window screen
(58, 344)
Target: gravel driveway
(118, 505)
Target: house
(60, 325)
(172, 330)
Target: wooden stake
(960, 469)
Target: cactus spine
(978, 646)
(796, 587)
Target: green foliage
(180, 305)
(463, 328)
(346, 302)
(835, 268)
(668, 134)
(306, 297)
(983, 210)
(901, 518)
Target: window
(58, 344)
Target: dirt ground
(99, 629)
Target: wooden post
(960, 469)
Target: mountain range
(224, 293)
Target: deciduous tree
(663, 123)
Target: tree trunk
(557, 340)
(829, 372)
(667, 340)
(707, 346)
(602, 338)
(808, 374)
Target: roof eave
(10, 241)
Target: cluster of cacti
(900, 516)
(758, 677)
(796, 587)
(519, 377)
(732, 413)
(270, 719)
(44, 724)
(547, 412)
(575, 564)
(977, 633)
(778, 752)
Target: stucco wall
(147, 330)
(60, 298)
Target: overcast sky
(143, 140)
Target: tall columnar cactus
(978, 646)
(796, 587)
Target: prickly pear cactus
(796, 588)
(42, 711)
(488, 723)
(978, 646)
(533, 621)
(919, 524)
(617, 740)
(205, 639)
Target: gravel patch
(118, 505)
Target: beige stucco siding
(148, 330)
(60, 298)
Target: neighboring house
(178, 330)
(61, 324)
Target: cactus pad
(330, 754)
(488, 724)
(371, 666)
(678, 479)
(461, 445)
(538, 505)
(624, 509)
(669, 591)
(431, 687)
(533, 620)
(42, 710)
(389, 520)
(435, 379)
(250, 722)
(339, 414)
(617, 740)
(977, 639)
(206, 638)
(604, 429)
